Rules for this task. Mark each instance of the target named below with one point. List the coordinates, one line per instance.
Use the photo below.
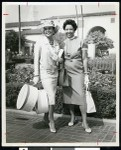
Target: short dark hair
(70, 22)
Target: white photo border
(4, 89)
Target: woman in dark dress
(76, 66)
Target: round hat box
(42, 103)
(27, 97)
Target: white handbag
(89, 100)
(90, 103)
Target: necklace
(51, 42)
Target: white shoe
(88, 130)
(52, 128)
(70, 124)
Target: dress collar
(74, 37)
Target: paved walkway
(24, 127)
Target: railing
(106, 64)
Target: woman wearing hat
(46, 59)
(76, 66)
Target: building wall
(102, 21)
(22, 28)
(89, 23)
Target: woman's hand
(60, 60)
(36, 79)
(86, 81)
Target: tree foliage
(102, 43)
(100, 40)
(12, 41)
(60, 37)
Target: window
(112, 20)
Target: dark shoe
(45, 119)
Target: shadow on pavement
(40, 125)
(18, 118)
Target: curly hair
(70, 22)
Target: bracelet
(36, 75)
(86, 72)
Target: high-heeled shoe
(52, 127)
(88, 130)
(45, 119)
(70, 124)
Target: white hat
(48, 23)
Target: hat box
(27, 97)
(42, 105)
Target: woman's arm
(85, 64)
(84, 56)
(37, 55)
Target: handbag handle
(38, 85)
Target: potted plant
(102, 43)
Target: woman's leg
(51, 113)
(71, 108)
(51, 118)
(45, 118)
(84, 117)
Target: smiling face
(69, 30)
(49, 31)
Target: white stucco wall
(105, 22)
(25, 27)
(102, 21)
(32, 37)
(112, 29)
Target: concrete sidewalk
(24, 127)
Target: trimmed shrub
(10, 65)
(23, 59)
(19, 60)
(102, 87)
(12, 91)
(20, 75)
(105, 101)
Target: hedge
(12, 91)
(105, 100)
(102, 87)
(19, 75)
(19, 60)
(10, 65)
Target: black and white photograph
(60, 74)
